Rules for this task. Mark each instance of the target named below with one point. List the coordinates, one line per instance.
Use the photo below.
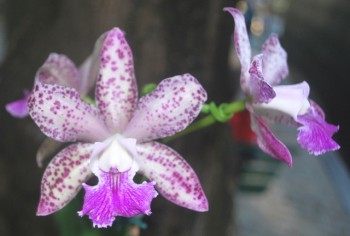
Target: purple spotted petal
(242, 45)
(59, 69)
(290, 101)
(90, 68)
(174, 177)
(116, 89)
(63, 178)
(62, 115)
(170, 108)
(260, 91)
(19, 108)
(275, 65)
(116, 195)
(268, 142)
(315, 134)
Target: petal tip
(204, 206)
(226, 9)
(45, 208)
(231, 10)
(114, 32)
(19, 108)
(289, 163)
(234, 12)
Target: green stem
(235, 107)
(209, 120)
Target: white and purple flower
(114, 139)
(286, 104)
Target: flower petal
(260, 91)
(170, 108)
(116, 195)
(316, 108)
(315, 134)
(62, 115)
(89, 69)
(174, 177)
(275, 65)
(268, 142)
(116, 89)
(59, 69)
(115, 152)
(63, 177)
(19, 108)
(289, 102)
(242, 45)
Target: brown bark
(167, 38)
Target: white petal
(62, 115)
(170, 108)
(275, 66)
(242, 45)
(290, 101)
(174, 177)
(63, 177)
(116, 89)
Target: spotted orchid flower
(286, 104)
(114, 140)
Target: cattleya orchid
(114, 139)
(286, 104)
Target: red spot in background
(240, 128)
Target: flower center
(115, 154)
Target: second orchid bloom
(285, 104)
(114, 139)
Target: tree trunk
(167, 38)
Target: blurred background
(248, 193)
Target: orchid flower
(114, 139)
(286, 104)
